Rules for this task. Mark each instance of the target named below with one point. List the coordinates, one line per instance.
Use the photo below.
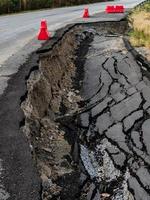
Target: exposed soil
(51, 96)
(67, 113)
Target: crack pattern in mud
(115, 147)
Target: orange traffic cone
(43, 32)
(110, 9)
(119, 9)
(86, 13)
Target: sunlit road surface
(18, 32)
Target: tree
(7, 6)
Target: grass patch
(140, 26)
(145, 7)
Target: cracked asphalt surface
(16, 167)
(115, 133)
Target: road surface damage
(87, 117)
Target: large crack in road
(96, 145)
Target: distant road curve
(18, 29)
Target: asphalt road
(18, 33)
(17, 41)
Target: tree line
(10, 6)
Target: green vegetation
(140, 24)
(10, 6)
(143, 7)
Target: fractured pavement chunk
(91, 82)
(109, 65)
(142, 154)
(101, 106)
(106, 81)
(136, 68)
(146, 134)
(144, 177)
(140, 85)
(133, 78)
(118, 96)
(103, 122)
(146, 80)
(123, 81)
(131, 91)
(148, 110)
(116, 135)
(117, 156)
(115, 88)
(146, 95)
(133, 164)
(98, 42)
(131, 119)
(129, 72)
(125, 107)
(136, 139)
(106, 78)
(146, 105)
(84, 117)
(139, 192)
(119, 159)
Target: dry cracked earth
(100, 147)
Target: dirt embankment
(51, 95)
(68, 143)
